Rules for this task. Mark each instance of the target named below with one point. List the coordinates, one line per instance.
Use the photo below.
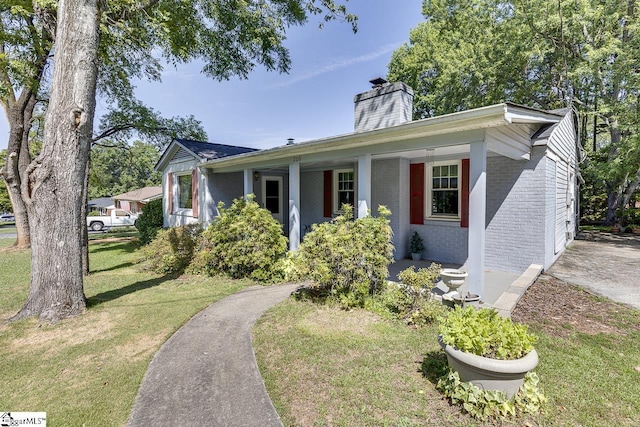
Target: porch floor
(496, 283)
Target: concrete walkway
(206, 374)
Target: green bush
(243, 241)
(348, 260)
(150, 221)
(410, 301)
(172, 249)
(485, 404)
(484, 333)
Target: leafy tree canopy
(584, 55)
(117, 169)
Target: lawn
(321, 365)
(87, 370)
(326, 366)
(7, 227)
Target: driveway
(605, 264)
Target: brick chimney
(384, 105)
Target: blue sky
(315, 100)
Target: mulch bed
(560, 308)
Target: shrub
(412, 300)
(347, 259)
(243, 241)
(485, 404)
(416, 245)
(172, 249)
(150, 221)
(484, 333)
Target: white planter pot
(453, 278)
(490, 374)
(416, 256)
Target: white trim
(429, 184)
(177, 210)
(334, 196)
(263, 195)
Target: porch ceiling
(506, 128)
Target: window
(345, 188)
(185, 200)
(445, 194)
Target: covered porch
(294, 174)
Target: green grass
(325, 366)
(87, 370)
(7, 227)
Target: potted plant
(487, 350)
(416, 246)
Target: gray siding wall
(390, 187)
(562, 149)
(550, 217)
(516, 212)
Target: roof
(542, 135)
(141, 195)
(210, 150)
(101, 202)
(450, 129)
(201, 151)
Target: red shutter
(194, 193)
(416, 191)
(170, 191)
(464, 208)
(328, 194)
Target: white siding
(563, 151)
(178, 166)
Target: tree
(116, 169)
(582, 55)
(101, 47)
(5, 202)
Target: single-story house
(135, 200)
(101, 205)
(488, 188)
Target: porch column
(248, 182)
(294, 206)
(364, 185)
(477, 216)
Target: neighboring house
(101, 205)
(491, 188)
(135, 200)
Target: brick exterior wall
(311, 199)
(223, 187)
(390, 187)
(516, 212)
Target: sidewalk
(206, 373)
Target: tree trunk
(18, 158)
(85, 231)
(53, 184)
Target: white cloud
(336, 65)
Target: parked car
(117, 218)
(7, 218)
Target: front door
(272, 196)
